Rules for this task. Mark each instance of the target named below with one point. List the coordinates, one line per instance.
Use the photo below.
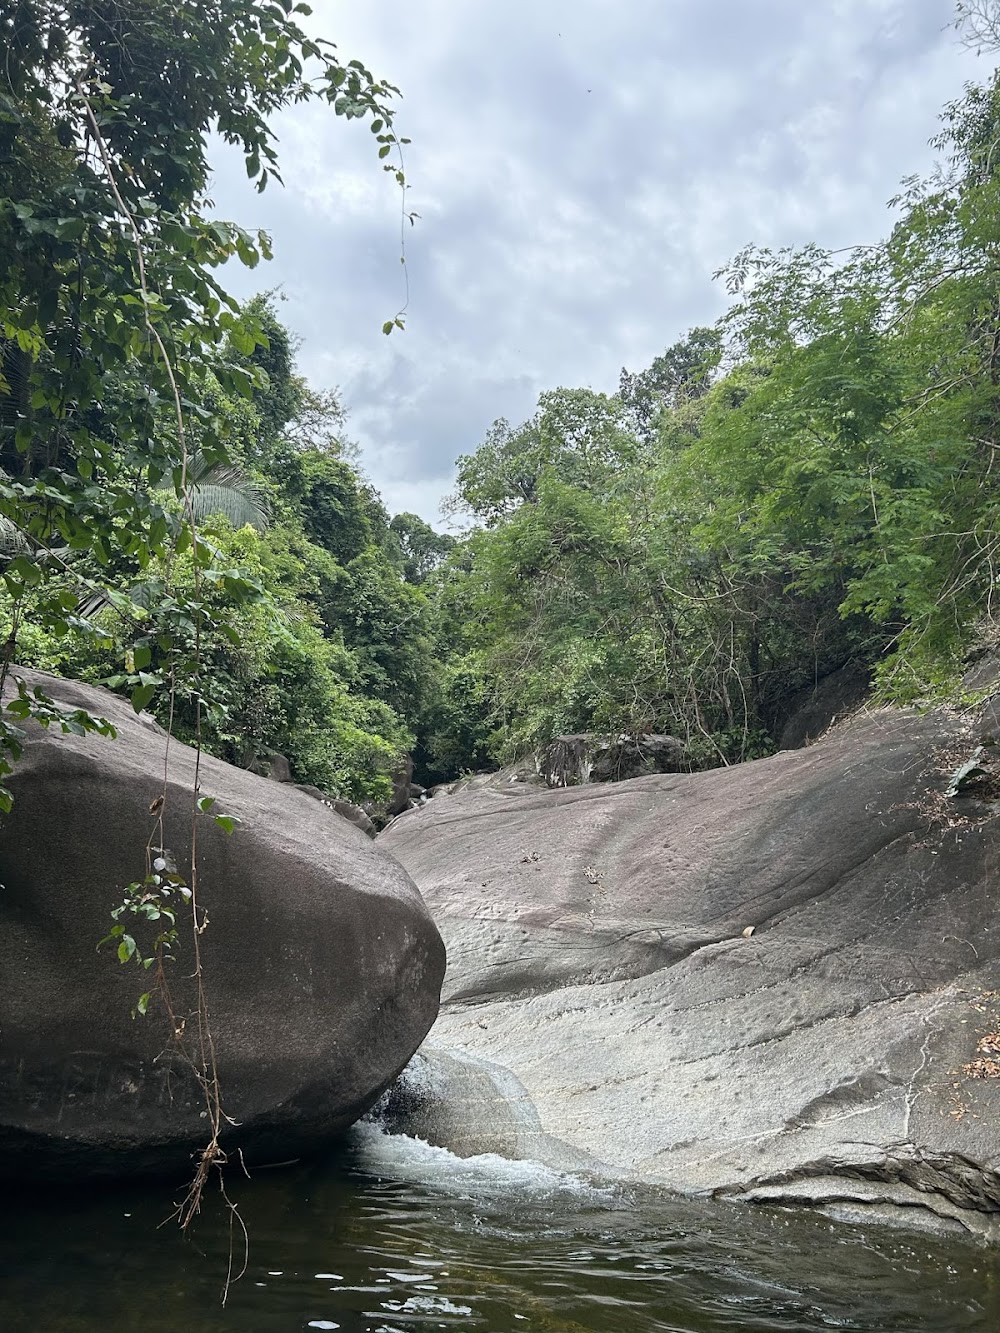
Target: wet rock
(471, 1106)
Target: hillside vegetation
(809, 484)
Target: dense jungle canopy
(810, 484)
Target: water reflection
(391, 1236)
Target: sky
(581, 169)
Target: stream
(388, 1235)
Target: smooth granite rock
(778, 981)
(321, 965)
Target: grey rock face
(575, 760)
(568, 761)
(779, 981)
(346, 809)
(402, 780)
(471, 1106)
(813, 710)
(321, 965)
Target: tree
(564, 618)
(978, 23)
(580, 434)
(687, 557)
(108, 259)
(684, 372)
(868, 447)
(422, 549)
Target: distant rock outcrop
(568, 761)
(778, 981)
(321, 966)
(576, 760)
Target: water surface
(391, 1236)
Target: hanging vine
(107, 259)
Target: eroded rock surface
(779, 981)
(471, 1106)
(321, 965)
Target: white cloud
(581, 168)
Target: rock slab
(320, 963)
(776, 982)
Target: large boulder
(577, 759)
(321, 968)
(778, 981)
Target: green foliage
(265, 678)
(151, 902)
(334, 509)
(138, 402)
(421, 549)
(224, 489)
(872, 438)
(808, 484)
(682, 374)
(576, 433)
(685, 557)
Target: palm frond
(224, 488)
(92, 602)
(242, 506)
(12, 540)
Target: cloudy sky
(581, 168)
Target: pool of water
(391, 1236)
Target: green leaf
(26, 570)
(141, 696)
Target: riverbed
(388, 1235)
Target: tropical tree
(113, 324)
(684, 372)
(421, 548)
(687, 556)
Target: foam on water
(486, 1176)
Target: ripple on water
(394, 1236)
